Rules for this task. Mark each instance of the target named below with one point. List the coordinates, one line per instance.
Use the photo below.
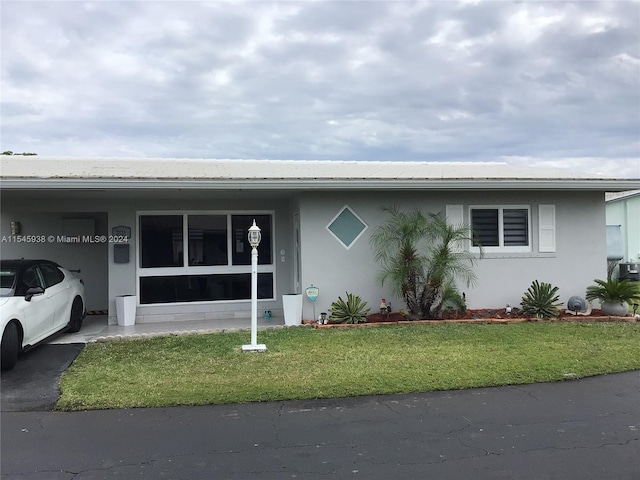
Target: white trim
(501, 248)
(421, 184)
(546, 228)
(347, 207)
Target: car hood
(4, 300)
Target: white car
(38, 298)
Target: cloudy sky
(528, 83)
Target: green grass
(305, 363)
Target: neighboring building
(173, 231)
(623, 213)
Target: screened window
(208, 240)
(214, 266)
(203, 288)
(161, 241)
(501, 228)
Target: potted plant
(614, 295)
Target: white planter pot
(126, 310)
(617, 309)
(292, 306)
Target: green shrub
(352, 311)
(614, 291)
(541, 300)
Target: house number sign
(121, 232)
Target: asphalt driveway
(34, 382)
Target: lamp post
(254, 240)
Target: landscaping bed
(486, 316)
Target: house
(173, 232)
(623, 218)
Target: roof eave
(608, 185)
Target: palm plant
(420, 259)
(353, 310)
(541, 300)
(614, 290)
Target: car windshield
(7, 281)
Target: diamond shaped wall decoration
(347, 227)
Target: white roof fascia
(623, 195)
(608, 185)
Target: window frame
(501, 248)
(335, 217)
(200, 270)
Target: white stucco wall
(579, 258)
(580, 237)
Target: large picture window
(501, 228)
(212, 267)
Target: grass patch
(306, 363)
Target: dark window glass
(202, 288)
(52, 274)
(161, 241)
(516, 227)
(30, 278)
(7, 279)
(208, 240)
(241, 250)
(484, 222)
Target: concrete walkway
(572, 430)
(96, 328)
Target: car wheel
(75, 322)
(9, 346)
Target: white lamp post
(254, 240)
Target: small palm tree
(614, 290)
(419, 257)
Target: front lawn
(303, 363)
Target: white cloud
(553, 83)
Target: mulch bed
(497, 316)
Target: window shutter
(455, 216)
(547, 228)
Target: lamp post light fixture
(254, 240)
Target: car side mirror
(33, 291)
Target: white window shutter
(455, 216)
(547, 228)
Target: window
(52, 274)
(203, 288)
(161, 241)
(347, 227)
(207, 240)
(213, 267)
(501, 228)
(30, 279)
